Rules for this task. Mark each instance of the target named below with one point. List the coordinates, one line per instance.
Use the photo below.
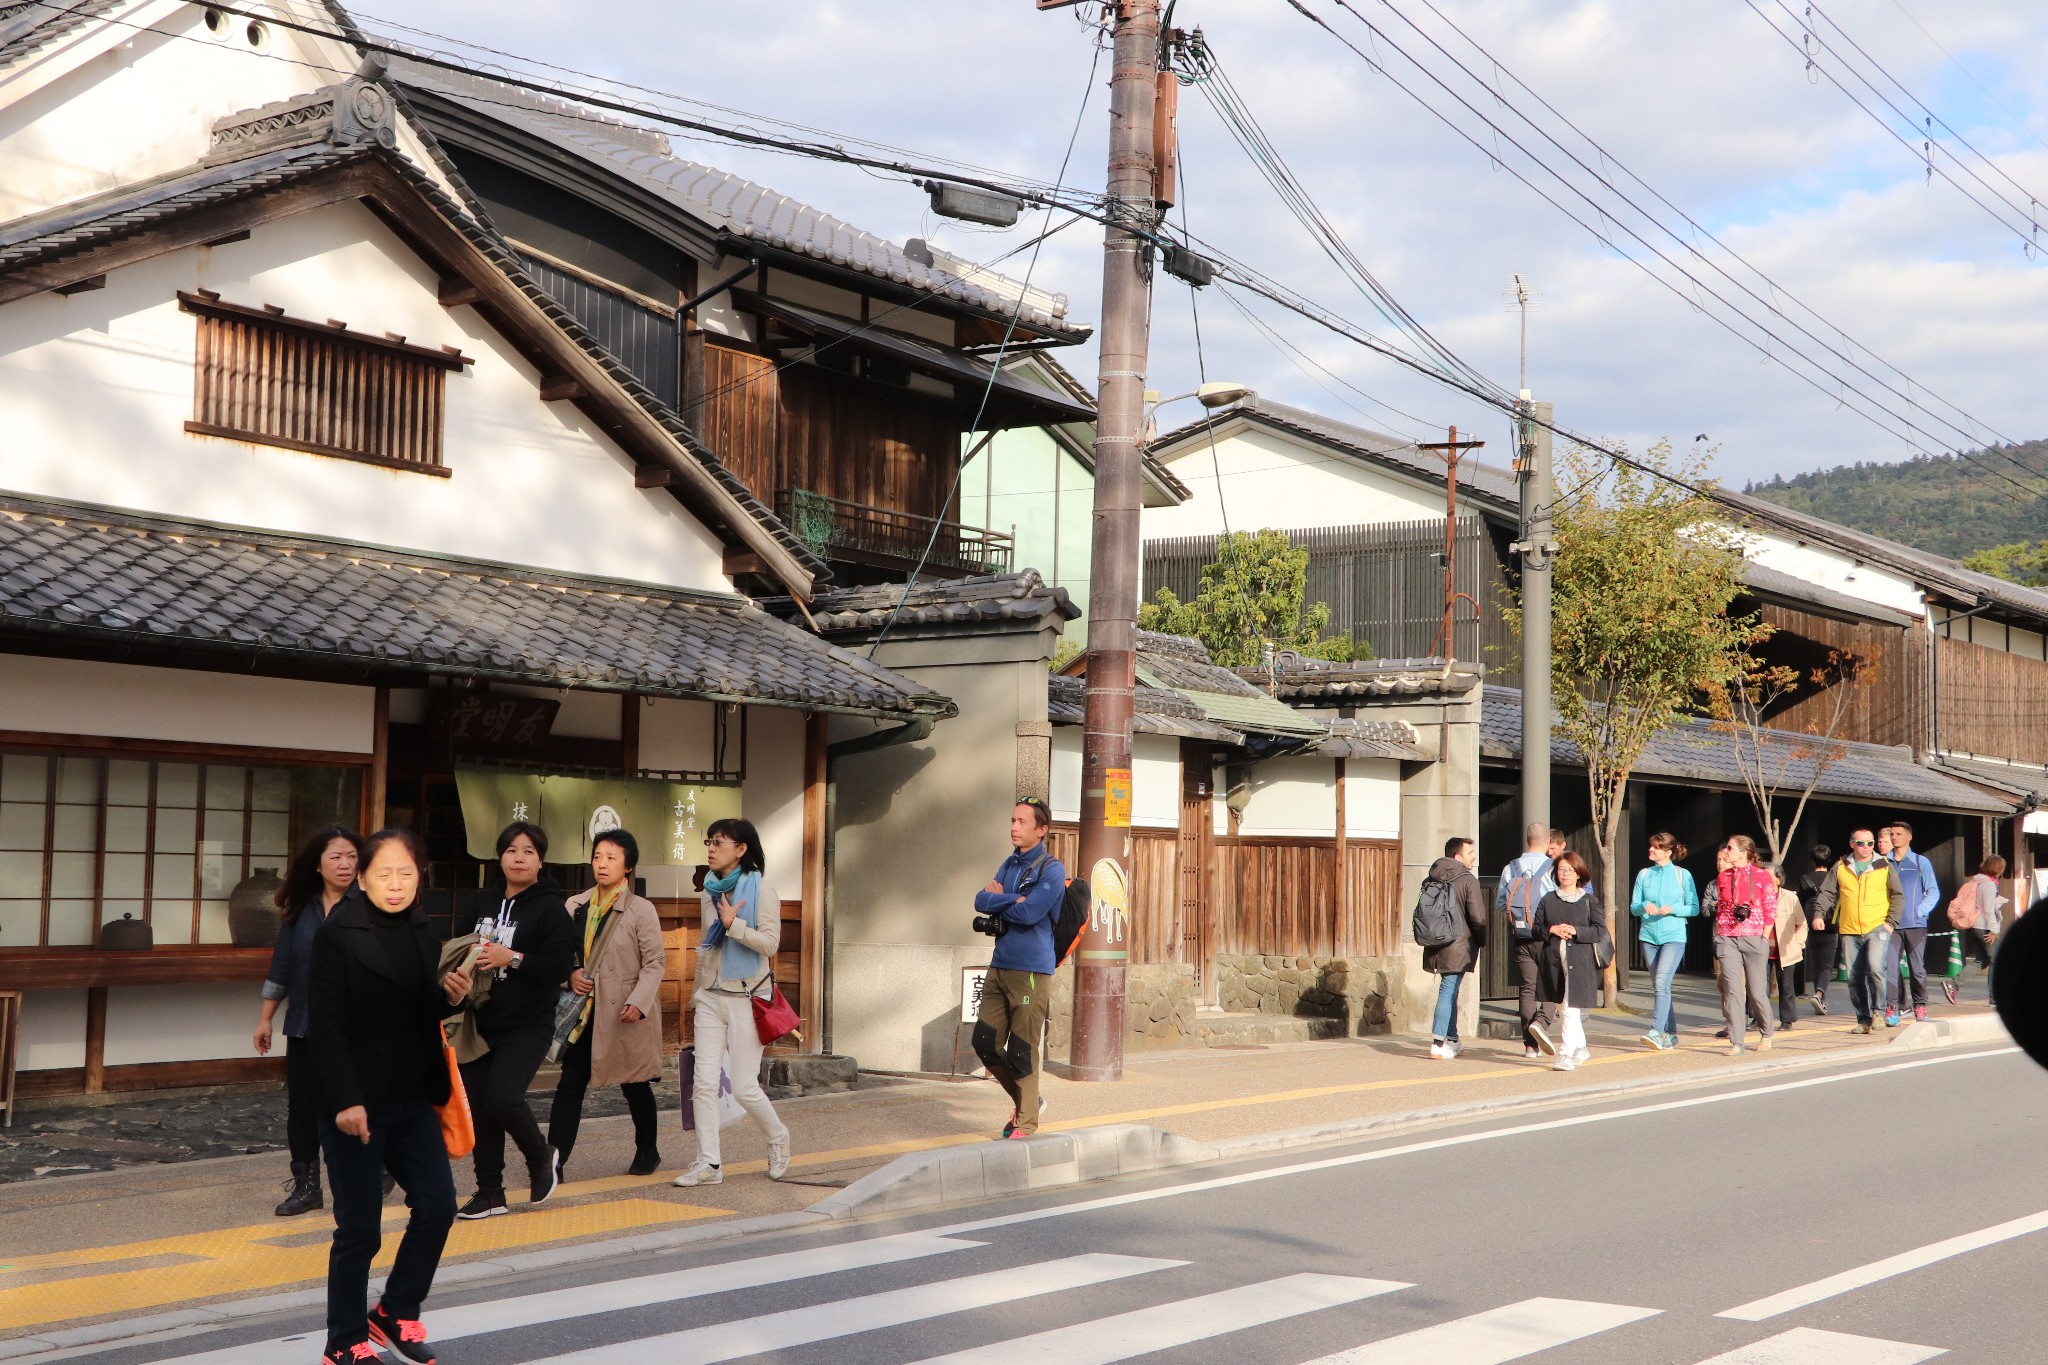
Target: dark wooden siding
(1992, 702)
(1891, 708)
(737, 414)
(644, 339)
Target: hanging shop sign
(668, 818)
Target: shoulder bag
(774, 1018)
(458, 1129)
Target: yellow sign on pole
(1116, 798)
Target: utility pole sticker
(1110, 912)
(1116, 798)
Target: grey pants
(1745, 964)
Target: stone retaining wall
(1159, 1008)
(1354, 989)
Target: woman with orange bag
(380, 1069)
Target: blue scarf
(739, 963)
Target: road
(1877, 1213)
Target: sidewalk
(140, 1238)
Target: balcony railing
(856, 533)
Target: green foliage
(1066, 653)
(2022, 562)
(1250, 597)
(1943, 504)
(1639, 626)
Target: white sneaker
(702, 1173)
(778, 1158)
(1437, 1053)
(1582, 1055)
(1531, 1053)
(1565, 1062)
(1452, 1049)
(1543, 1039)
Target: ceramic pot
(127, 934)
(252, 915)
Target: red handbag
(774, 1018)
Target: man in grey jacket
(1451, 961)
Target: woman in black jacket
(376, 1004)
(531, 952)
(1569, 923)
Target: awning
(113, 575)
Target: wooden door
(1197, 852)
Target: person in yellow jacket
(1864, 898)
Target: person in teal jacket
(1665, 898)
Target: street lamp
(1215, 394)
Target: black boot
(304, 1195)
(646, 1161)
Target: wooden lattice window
(281, 381)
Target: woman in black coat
(376, 1000)
(1569, 923)
(531, 952)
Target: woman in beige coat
(1790, 947)
(619, 966)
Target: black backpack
(1436, 914)
(1072, 916)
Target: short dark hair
(1578, 866)
(1901, 827)
(530, 830)
(623, 841)
(1040, 812)
(1455, 845)
(741, 832)
(1822, 855)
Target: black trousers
(1788, 994)
(565, 1118)
(301, 1103)
(1976, 943)
(1822, 951)
(406, 1140)
(496, 1083)
(1528, 967)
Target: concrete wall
(1439, 800)
(1277, 481)
(918, 829)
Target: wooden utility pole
(1446, 644)
(1104, 952)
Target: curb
(984, 1171)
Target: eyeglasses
(1863, 843)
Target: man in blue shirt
(1523, 885)
(1022, 902)
(1923, 893)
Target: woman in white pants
(1569, 922)
(735, 965)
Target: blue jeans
(1664, 959)
(1445, 1029)
(1865, 954)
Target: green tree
(2023, 562)
(1640, 632)
(1252, 596)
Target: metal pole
(1537, 550)
(1098, 1051)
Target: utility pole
(1445, 646)
(1104, 951)
(1538, 551)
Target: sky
(1699, 98)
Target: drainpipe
(910, 732)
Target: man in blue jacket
(1022, 901)
(1923, 893)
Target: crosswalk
(969, 1304)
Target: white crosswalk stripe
(555, 1305)
(1497, 1335)
(846, 1317)
(1169, 1325)
(1809, 1346)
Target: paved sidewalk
(141, 1238)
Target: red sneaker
(406, 1336)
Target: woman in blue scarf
(735, 965)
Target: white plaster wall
(1292, 796)
(99, 387)
(2027, 644)
(1830, 569)
(1372, 798)
(1155, 781)
(78, 697)
(676, 735)
(52, 1030)
(773, 794)
(1066, 773)
(180, 1023)
(1273, 480)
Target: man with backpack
(1019, 909)
(1822, 942)
(1909, 943)
(1523, 885)
(1450, 924)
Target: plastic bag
(729, 1111)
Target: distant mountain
(1947, 504)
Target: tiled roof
(2021, 779)
(1359, 738)
(1298, 679)
(1182, 665)
(1772, 583)
(1155, 711)
(721, 199)
(1021, 596)
(1694, 751)
(116, 575)
(31, 26)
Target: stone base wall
(1354, 989)
(1159, 1008)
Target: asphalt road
(1791, 1220)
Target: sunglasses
(1863, 843)
(1032, 801)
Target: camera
(1739, 913)
(995, 926)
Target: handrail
(836, 528)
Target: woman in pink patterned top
(1745, 922)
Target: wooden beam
(1345, 945)
(95, 1040)
(654, 476)
(562, 388)
(743, 561)
(84, 286)
(630, 707)
(456, 292)
(380, 760)
(811, 957)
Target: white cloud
(1696, 95)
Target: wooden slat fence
(1991, 702)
